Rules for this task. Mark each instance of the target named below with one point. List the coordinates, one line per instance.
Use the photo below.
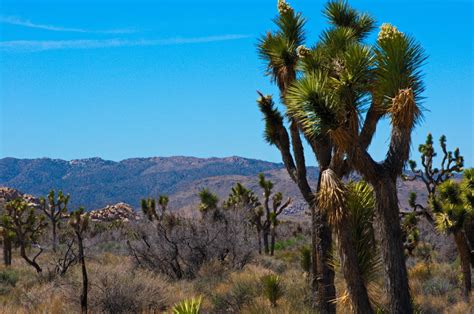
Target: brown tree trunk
(7, 251)
(31, 262)
(266, 244)
(350, 268)
(85, 281)
(272, 244)
(54, 237)
(259, 235)
(323, 277)
(393, 256)
(465, 256)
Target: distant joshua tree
(272, 212)
(150, 210)
(79, 221)
(21, 220)
(263, 216)
(55, 210)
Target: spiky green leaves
(273, 119)
(266, 185)
(310, 102)
(399, 60)
(79, 220)
(278, 49)
(340, 14)
(209, 200)
(454, 203)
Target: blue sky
(120, 79)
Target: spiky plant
(281, 50)
(188, 306)
(245, 199)
(209, 201)
(21, 221)
(55, 209)
(344, 87)
(333, 197)
(453, 205)
(272, 288)
(360, 202)
(270, 212)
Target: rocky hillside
(95, 183)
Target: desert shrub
(305, 259)
(237, 291)
(180, 249)
(437, 286)
(190, 306)
(8, 280)
(272, 264)
(121, 290)
(272, 288)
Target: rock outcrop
(120, 211)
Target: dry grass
(118, 286)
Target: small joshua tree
(432, 177)
(209, 201)
(150, 210)
(272, 212)
(55, 210)
(453, 204)
(21, 220)
(243, 198)
(79, 223)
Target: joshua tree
(163, 201)
(433, 177)
(243, 198)
(7, 238)
(209, 201)
(149, 207)
(21, 220)
(340, 79)
(271, 213)
(79, 223)
(278, 50)
(55, 210)
(452, 205)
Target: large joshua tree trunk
(465, 256)
(387, 213)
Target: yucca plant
(342, 88)
(189, 306)
(360, 205)
(272, 288)
(453, 205)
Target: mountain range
(94, 182)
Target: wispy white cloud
(41, 45)
(13, 20)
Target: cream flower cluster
(302, 51)
(388, 31)
(284, 7)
